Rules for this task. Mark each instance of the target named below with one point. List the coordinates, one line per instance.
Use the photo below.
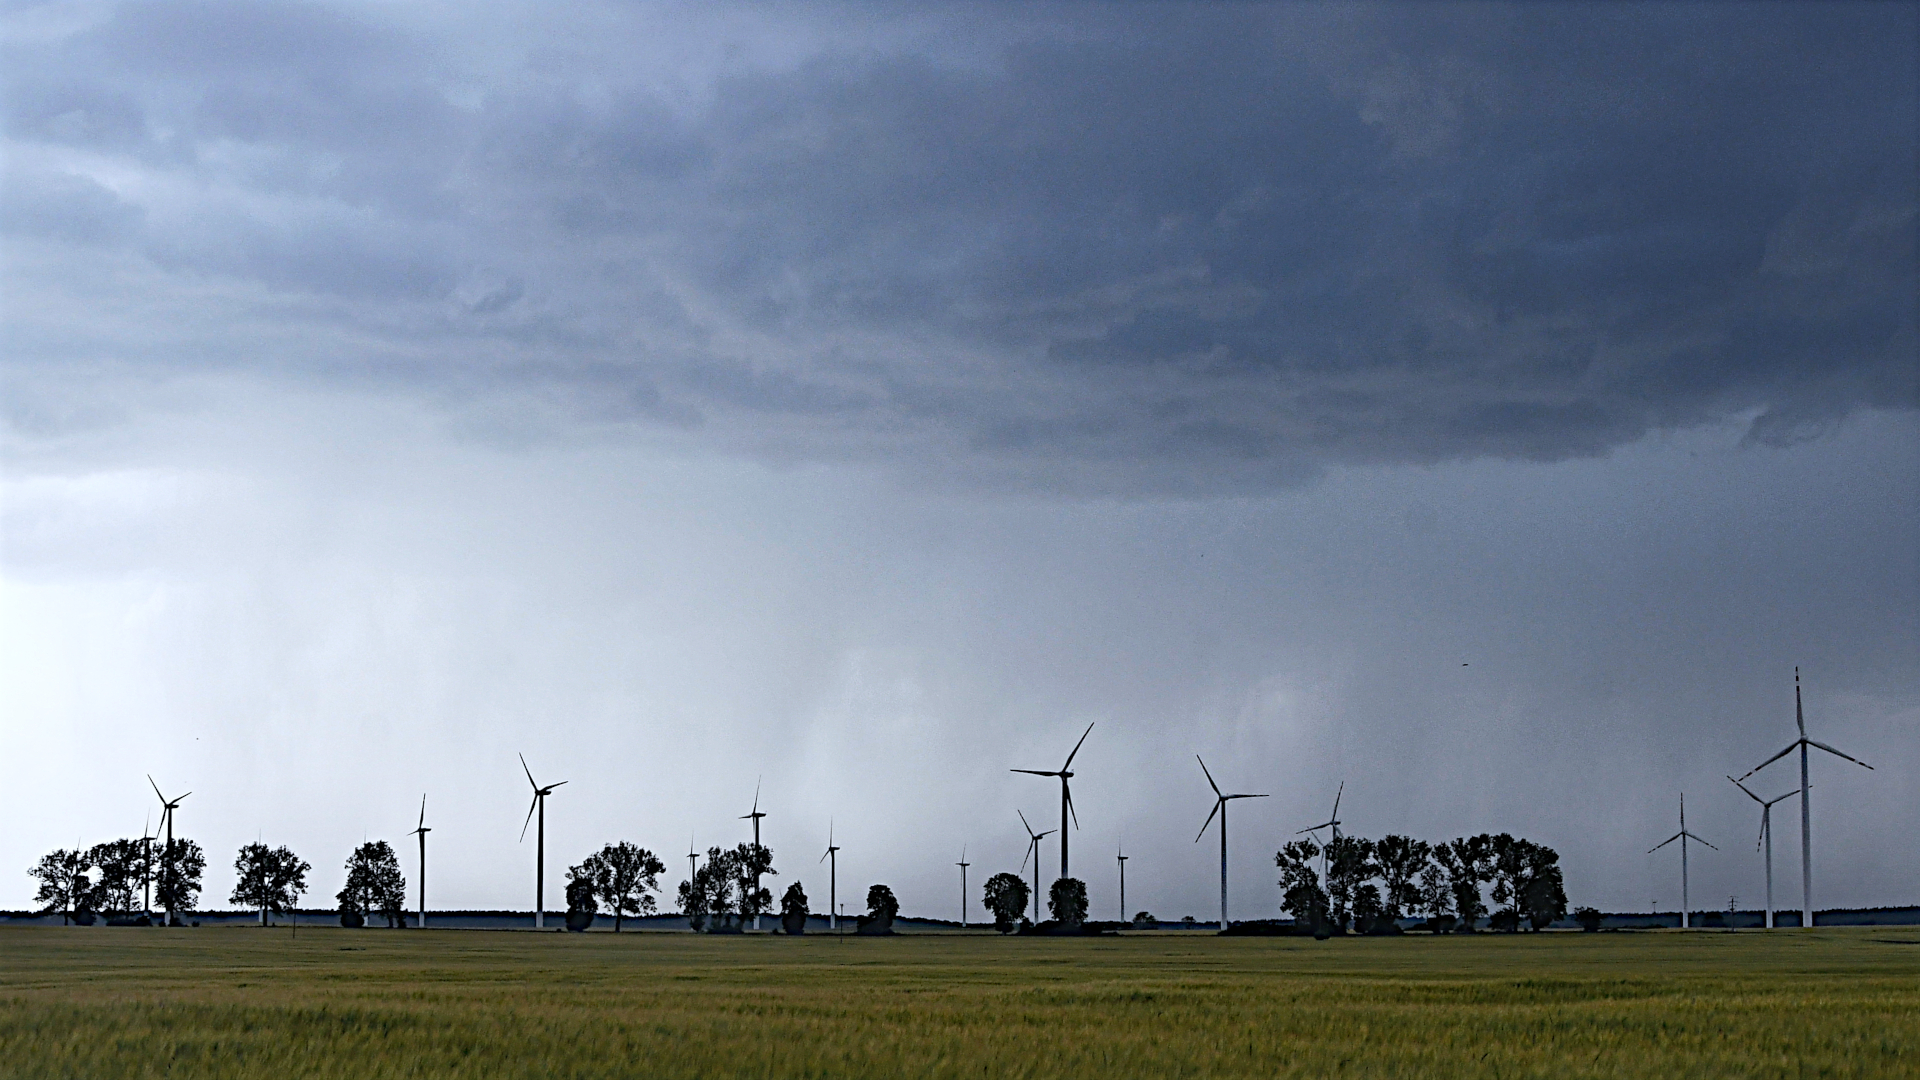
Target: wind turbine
(1219, 807)
(167, 807)
(833, 878)
(1332, 822)
(1766, 837)
(1066, 799)
(1121, 854)
(146, 866)
(1033, 852)
(963, 864)
(755, 816)
(421, 831)
(540, 844)
(1806, 814)
(1683, 836)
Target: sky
(1485, 408)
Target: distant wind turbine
(421, 831)
(1332, 822)
(1066, 797)
(1220, 801)
(1766, 837)
(1121, 854)
(755, 817)
(963, 864)
(1033, 852)
(540, 845)
(167, 807)
(832, 859)
(1806, 814)
(693, 857)
(1683, 836)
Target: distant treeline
(1353, 884)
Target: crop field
(236, 1002)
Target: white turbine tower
(1066, 797)
(1120, 853)
(421, 831)
(1326, 850)
(963, 864)
(1219, 807)
(1806, 814)
(1683, 835)
(1766, 837)
(832, 859)
(755, 817)
(540, 845)
(1033, 852)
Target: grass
(240, 1002)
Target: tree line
(122, 879)
(1364, 886)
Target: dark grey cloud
(1121, 247)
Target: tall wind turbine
(167, 807)
(1766, 837)
(755, 817)
(1220, 801)
(963, 864)
(1806, 814)
(540, 845)
(1033, 852)
(1121, 854)
(832, 859)
(1332, 822)
(1066, 799)
(1683, 836)
(421, 831)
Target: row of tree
(1363, 885)
(122, 877)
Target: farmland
(250, 1002)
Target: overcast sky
(1485, 407)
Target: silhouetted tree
(1067, 901)
(64, 884)
(1349, 864)
(374, 882)
(1144, 918)
(1467, 862)
(1589, 919)
(122, 866)
(1436, 896)
(624, 876)
(1526, 878)
(1400, 860)
(1301, 895)
(1006, 897)
(177, 875)
(581, 887)
(751, 862)
(881, 908)
(270, 879)
(793, 909)
(1368, 908)
(709, 897)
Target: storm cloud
(1141, 248)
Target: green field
(236, 1002)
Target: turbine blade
(1032, 844)
(423, 809)
(1663, 843)
(1788, 795)
(562, 783)
(756, 794)
(1071, 812)
(1023, 821)
(1771, 760)
(1247, 796)
(1696, 839)
(1831, 750)
(1203, 768)
(1034, 772)
(523, 825)
(1217, 804)
(529, 772)
(1336, 801)
(1749, 794)
(1076, 748)
(156, 787)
